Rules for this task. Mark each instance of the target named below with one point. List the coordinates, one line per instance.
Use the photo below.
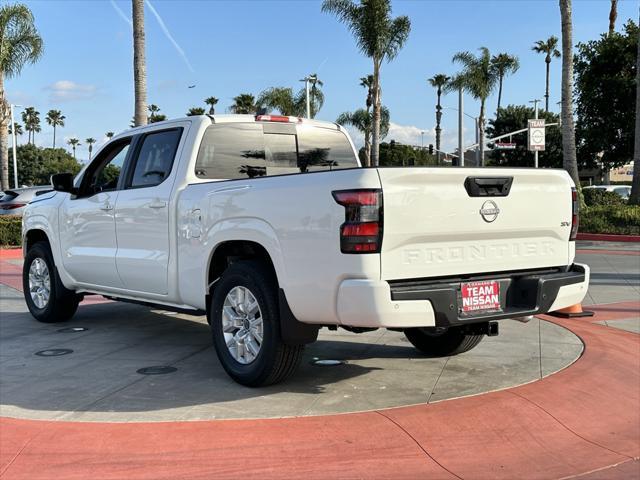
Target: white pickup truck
(269, 225)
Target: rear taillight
(575, 217)
(362, 230)
(12, 206)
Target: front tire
(245, 326)
(442, 342)
(47, 298)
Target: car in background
(623, 190)
(12, 202)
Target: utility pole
(13, 137)
(535, 154)
(460, 134)
(478, 163)
(307, 80)
(422, 135)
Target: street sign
(536, 135)
(504, 146)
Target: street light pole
(460, 121)
(307, 80)
(422, 141)
(535, 154)
(13, 137)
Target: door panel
(142, 215)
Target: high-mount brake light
(362, 230)
(277, 118)
(575, 214)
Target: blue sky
(231, 47)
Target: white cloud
(67, 90)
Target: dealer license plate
(480, 297)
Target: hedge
(10, 230)
(614, 220)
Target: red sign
(478, 296)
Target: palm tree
(362, 120)
(316, 97)
(549, 48)
(90, 141)
(504, 64)
(21, 44)
(479, 77)
(55, 119)
(211, 101)
(195, 111)
(18, 129)
(139, 63)
(367, 82)
(379, 37)
(613, 16)
(569, 160)
(31, 120)
(74, 142)
(154, 115)
(109, 135)
(245, 103)
(439, 82)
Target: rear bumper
(428, 303)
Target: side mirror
(63, 182)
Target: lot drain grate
(73, 329)
(158, 370)
(54, 352)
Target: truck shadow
(100, 375)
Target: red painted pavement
(601, 237)
(595, 251)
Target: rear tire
(269, 360)
(47, 298)
(434, 343)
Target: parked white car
(623, 190)
(269, 226)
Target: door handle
(106, 207)
(158, 204)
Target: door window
(156, 157)
(104, 172)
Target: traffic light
(430, 149)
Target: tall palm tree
(211, 101)
(478, 77)
(74, 142)
(362, 120)
(195, 111)
(613, 16)
(569, 159)
(18, 129)
(109, 135)
(286, 102)
(139, 64)
(634, 198)
(549, 48)
(21, 44)
(31, 120)
(90, 141)
(245, 103)
(379, 36)
(439, 82)
(504, 64)
(55, 119)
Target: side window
(230, 151)
(155, 158)
(103, 173)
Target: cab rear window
(245, 150)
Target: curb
(603, 237)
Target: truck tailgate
(434, 226)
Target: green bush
(615, 220)
(595, 197)
(10, 230)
